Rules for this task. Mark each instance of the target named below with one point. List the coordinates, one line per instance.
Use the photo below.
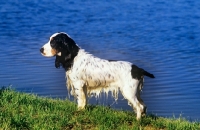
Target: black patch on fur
(68, 48)
(112, 60)
(138, 73)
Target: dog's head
(63, 47)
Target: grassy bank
(27, 111)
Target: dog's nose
(42, 50)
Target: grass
(27, 111)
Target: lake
(163, 37)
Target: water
(160, 36)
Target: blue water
(163, 37)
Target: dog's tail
(138, 73)
(148, 74)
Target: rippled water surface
(163, 37)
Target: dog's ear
(71, 47)
(57, 62)
(61, 60)
(67, 49)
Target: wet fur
(87, 74)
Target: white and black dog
(87, 74)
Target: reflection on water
(161, 37)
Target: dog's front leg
(80, 95)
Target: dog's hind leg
(140, 86)
(131, 94)
(81, 94)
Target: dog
(87, 74)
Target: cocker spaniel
(87, 74)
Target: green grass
(27, 111)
